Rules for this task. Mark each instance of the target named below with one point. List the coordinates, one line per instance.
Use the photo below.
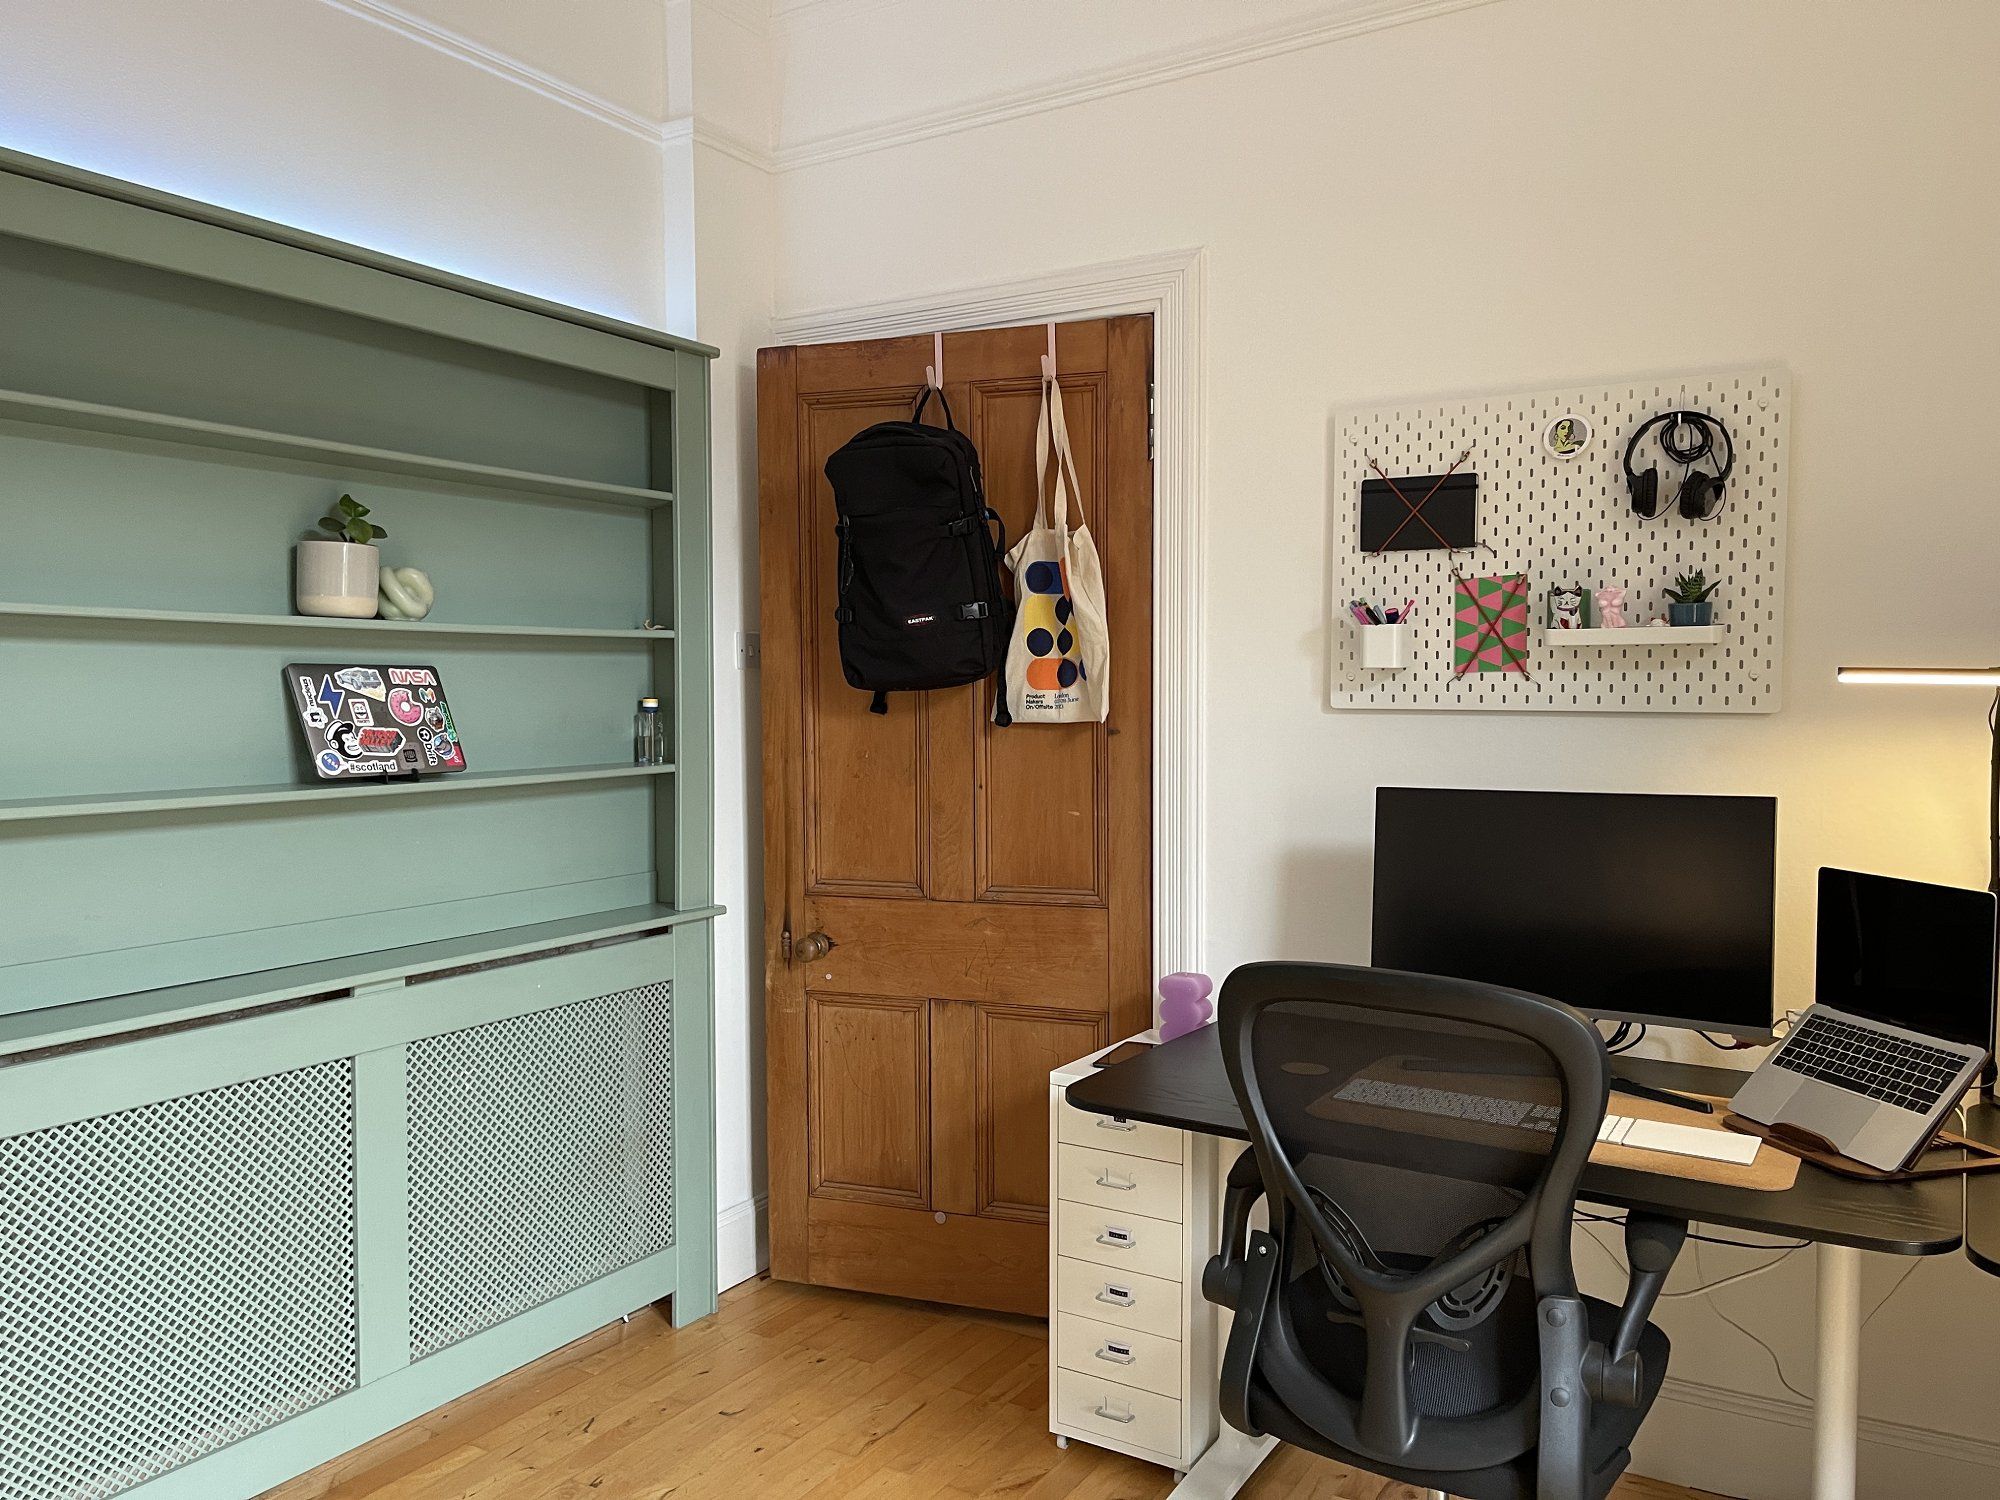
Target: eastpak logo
(921, 620)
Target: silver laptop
(1902, 1023)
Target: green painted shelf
(119, 804)
(282, 624)
(89, 416)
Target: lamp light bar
(1921, 676)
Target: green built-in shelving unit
(321, 1104)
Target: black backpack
(921, 602)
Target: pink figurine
(1184, 1004)
(1610, 609)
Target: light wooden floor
(788, 1393)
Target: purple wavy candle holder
(1184, 1004)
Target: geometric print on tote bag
(1045, 621)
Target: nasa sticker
(330, 762)
(1567, 436)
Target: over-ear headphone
(1686, 437)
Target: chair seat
(1611, 1431)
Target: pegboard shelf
(1633, 635)
(1552, 521)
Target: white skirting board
(1569, 522)
(1758, 1448)
(742, 1242)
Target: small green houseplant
(338, 566)
(1688, 601)
(346, 521)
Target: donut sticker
(403, 706)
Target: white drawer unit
(1130, 1243)
(1107, 1352)
(1118, 1416)
(1134, 1348)
(1119, 1183)
(1079, 1127)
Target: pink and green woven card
(1490, 624)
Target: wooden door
(987, 892)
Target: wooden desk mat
(1773, 1171)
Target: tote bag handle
(1055, 427)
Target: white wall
(367, 123)
(1520, 194)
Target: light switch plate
(749, 650)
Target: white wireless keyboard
(1679, 1140)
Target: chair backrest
(1419, 1141)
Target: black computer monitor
(1628, 907)
(1907, 954)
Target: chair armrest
(1652, 1244)
(1256, 1282)
(1562, 1460)
(1222, 1277)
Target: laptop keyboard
(1896, 1070)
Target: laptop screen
(1908, 954)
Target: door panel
(870, 1071)
(952, 909)
(966, 951)
(1017, 1050)
(865, 790)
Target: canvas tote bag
(1059, 659)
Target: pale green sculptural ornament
(406, 594)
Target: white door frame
(1169, 287)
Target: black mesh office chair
(1412, 1310)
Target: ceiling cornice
(1330, 23)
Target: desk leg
(1225, 1468)
(1837, 1406)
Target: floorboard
(789, 1393)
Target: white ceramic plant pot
(338, 579)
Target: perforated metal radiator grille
(173, 1278)
(541, 1158)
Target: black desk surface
(1182, 1084)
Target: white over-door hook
(934, 371)
(1049, 359)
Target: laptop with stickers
(368, 720)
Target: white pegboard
(1568, 521)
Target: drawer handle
(1106, 1180)
(1117, 1354)
(1117, 1296)
(1111, 1122)
(1116, 1238)
(1104, 1410)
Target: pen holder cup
(1385, 647)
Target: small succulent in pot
(1689, 602)
(338, 566)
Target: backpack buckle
(973, 611)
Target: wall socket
(749, 650)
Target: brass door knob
(814, 946)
